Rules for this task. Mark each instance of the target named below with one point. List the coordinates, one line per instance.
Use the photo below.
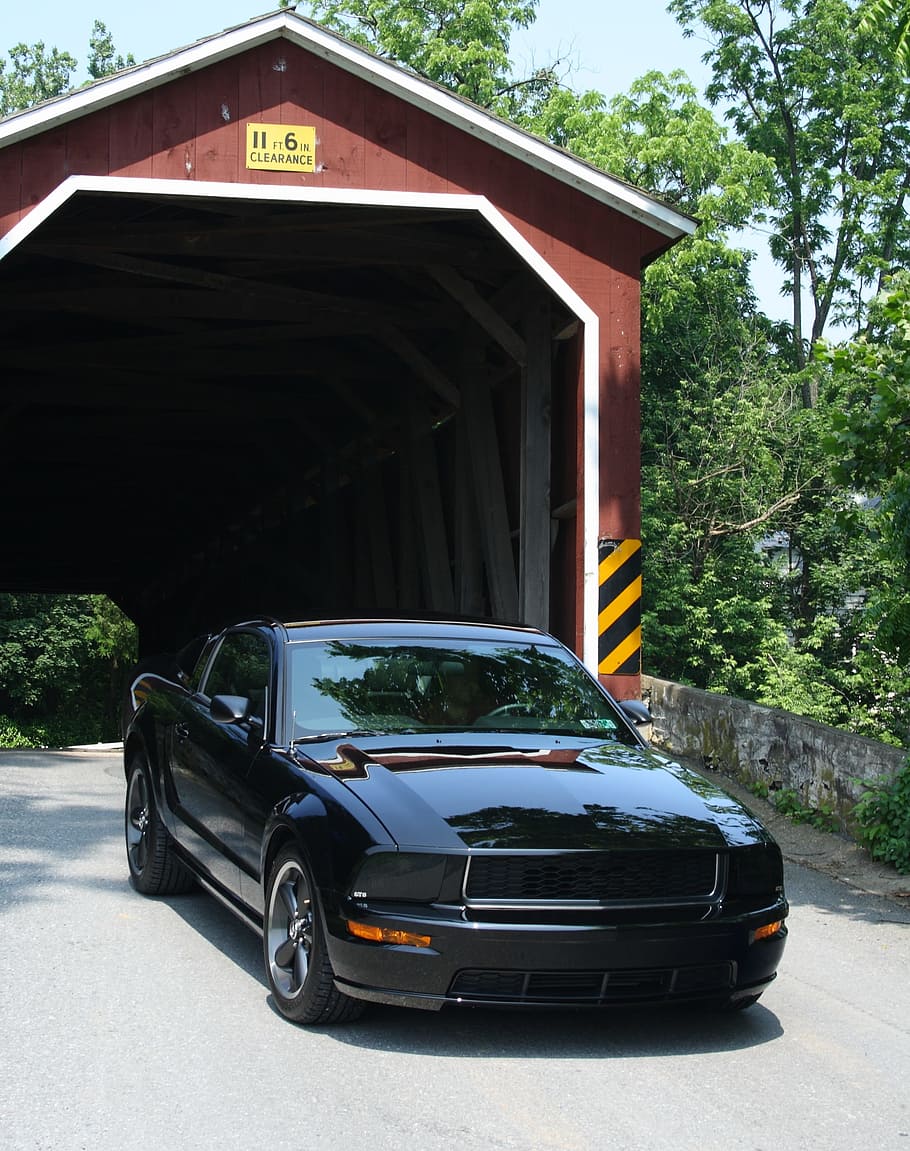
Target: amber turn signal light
(387, 935)
(768, 930)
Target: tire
(296, 958)
(154, 866)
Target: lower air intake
(591, 987)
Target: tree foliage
(61, 659)
(870, 442)
(891, 20)
(36, 72)
(809, 85)
(464, 47)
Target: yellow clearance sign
(281, 147)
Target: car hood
(556, 795)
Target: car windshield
(342, 687)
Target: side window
(241, 667)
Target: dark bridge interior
(214, 408)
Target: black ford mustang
(435, 814)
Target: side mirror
(229, 708)
(640, 716)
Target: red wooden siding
(194, 128)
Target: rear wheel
(154, 866)
(296, 959)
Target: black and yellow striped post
(619, 607)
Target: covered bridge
(287, 329)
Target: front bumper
(533, 965)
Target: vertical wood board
(218, 143)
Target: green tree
(870, 442)
(103, 58)
(718, 433)
(62, 661)
(464, 47)
(35, 74)
(891, 19)
(813, 87)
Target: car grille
(591, 987)
(630, 877)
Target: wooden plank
(385, 141)
(427, 152)
(534, 531)
(379, 529)
(477, 307)
(469, 594)
(620, 396)
(43, 166)
(490, 497)
(259, 94)
(331, 572)
(408, 570)
(433, 544)
(303, 102)
(342, 147)
(364, 590)
(88, 145)
(218, 145)
(423, 367)
(10, 187)
(174, 130)
(131, 130)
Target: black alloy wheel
(296, 960)
(150, 853)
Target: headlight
(409, 876)
(756, 871)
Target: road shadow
(586, 1033)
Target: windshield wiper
(350, 733)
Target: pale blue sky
(610, 42)
(606, 44)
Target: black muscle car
(429, 814)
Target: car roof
(414, 629)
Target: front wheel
(296, 959)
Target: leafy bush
(62, 662)
(788, 803)
(883, 820)
(47, 733)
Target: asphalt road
(129, 1022)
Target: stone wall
(754, 744)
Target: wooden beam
(332, 576)
(283, 297)
(477, 307)
(434, 547)
(490, 497)
(469, 596)
(536, 387)
(379, 528)
(422, 366)
(408, 569)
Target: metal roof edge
(432, 98)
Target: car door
(211, 758)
